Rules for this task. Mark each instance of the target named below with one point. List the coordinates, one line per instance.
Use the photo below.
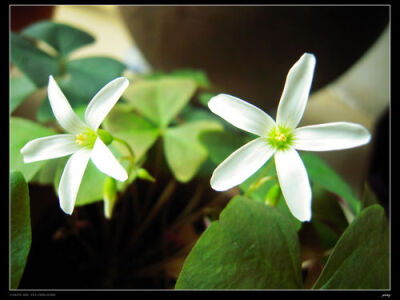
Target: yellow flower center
(280, 138)
(86, 139)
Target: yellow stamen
(281, 137)
(80, 139)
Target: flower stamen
(86, 139)
(280, 138)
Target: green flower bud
(143, 174)
(109, 195)
(273, 195)
(106, 137)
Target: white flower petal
(330, 136)
(241, 164)
(49, 147)
(62, 109)
(105, 161)
(104, 101)
(71, 179)
(295, 94)
(241, 114)
(294, 183)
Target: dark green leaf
(220, 144)
(360, 259)
(319, 172)
(252, 246)
(63, 38)
(20, 230)
(36, 64)
(368, 197)
(85, 77)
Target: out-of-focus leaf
(20, 231)
(205, 97)
(20, 88)
(36, 64)
(252, 246)
(21, 132)
(183, 151)
(62, 37)
(360, 259)
(139, 133)
(84, 78)
(160, 100)
(197, 76)
(220, 144)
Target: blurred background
(247, 51)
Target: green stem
(260, 180)
(121, 141)
(130, 158)
(164, 197)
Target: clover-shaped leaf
(360, 259)
(252, 246)
(63, 38)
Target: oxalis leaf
(21, 236)
(139, 133)
(62, 37)
(160, 100)
(21, 132)
(84, 78)
(250, 247)
(20, 88)
(183, 150)
(36, 64)
(360, 259)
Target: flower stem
(163, 198)
(130, 158)
(260, 180)
(121, 141)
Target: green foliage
(252, 246)
(83, 78)
(36, 64)
(139, 133)
(20, 88)
(63, 38)
(183, 150)
(319, 172)
(20, 227)
(159, 100)
(360, 259)
(23, 131)
(197, 76)
(260, 193)
(79, 79)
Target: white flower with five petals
(84, 140)
(281, 139)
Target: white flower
(282, 139)
(84, 140)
